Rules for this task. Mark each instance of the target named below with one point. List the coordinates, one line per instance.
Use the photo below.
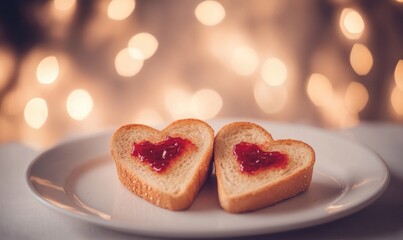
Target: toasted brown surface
(240, 192)
(177, 186)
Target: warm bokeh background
(71, 67)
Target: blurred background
(71, 67)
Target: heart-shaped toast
(254, 171)
(168, 167)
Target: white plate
(78, 178)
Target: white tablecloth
(23, 217)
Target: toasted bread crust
(174, 201)
(269, 193)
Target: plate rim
(124, 227)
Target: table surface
(23, 217)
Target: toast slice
(171, 184)
(246, 186)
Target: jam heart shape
(252, 158)
(167, 167)
(160, 155)
(255, 171)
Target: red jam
(159, 155)
(252, 159)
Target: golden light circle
(271, 99)
(396, 99)
(120, 9)
(210, 13)
(64, 5)
(351, 23)
(399, 74)
(244, 61)
(206, 104)
(7, 63)
(47, 70)
(274, 72)
(177, 101)
(126, 65)
(356, 97)
(361, 59)
(79, 104)
(36, 112)
(145, 42)
(319, 89)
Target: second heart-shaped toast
(168, 167)
(254, 171)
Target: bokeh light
(399, 74)
(244, 61)
(361, 59)
(47, 70)
(319, 89)
(356, 97)
(126, 64)
(120, 9)
(64, 5)
(36, 112)
(271, 99)
(177, 101)
(331, 66)
(206, 104)
(7, 63)
(79, 104)
(274, 72)
(396, 99)
(145, 42)
(351, 23)
(210, 13)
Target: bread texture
(241, 192)
(177, 186)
